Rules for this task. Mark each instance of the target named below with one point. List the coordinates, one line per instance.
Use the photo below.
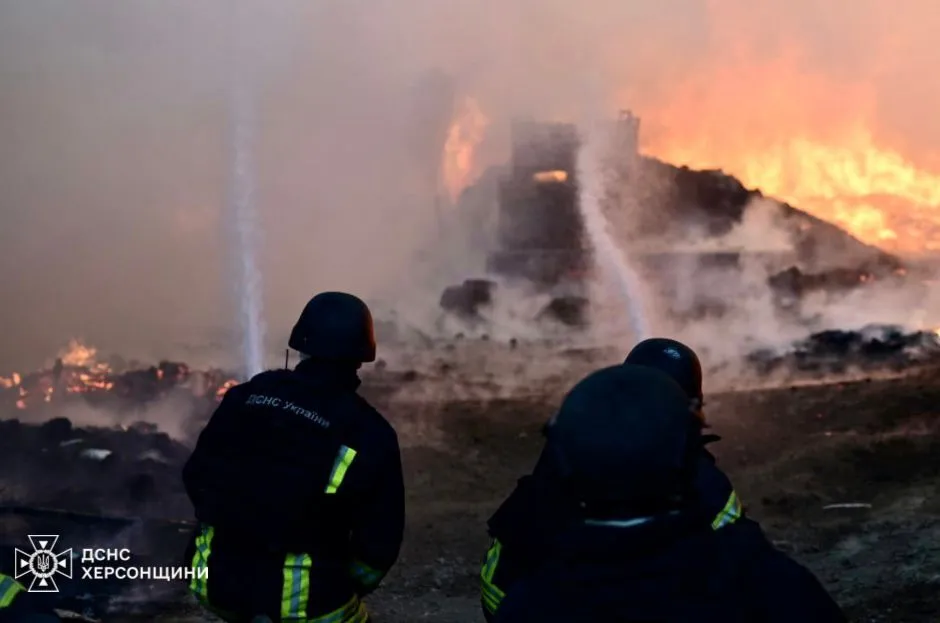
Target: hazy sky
(113, 149)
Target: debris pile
(95, 487)
(672, 219)
(78, 374)
(871, 347)
(823, 257)
(110, 470)
(712, 203)
(791, 285)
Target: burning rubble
(78, 374)
(873, 347)
(667, 217)
(92, 483)
(822, 257)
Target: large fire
(796, 134)
(802, 137)
(77, 371)
(874, 193)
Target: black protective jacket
(296, 482)
(17, 605)
(530, 519)
(668, 571)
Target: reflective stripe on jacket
(295, 592)
(9, 589)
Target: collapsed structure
(540, 233)
(671, 221)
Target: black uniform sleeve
(786, 591)
(210, 442)
(719, 499)
(378, 519)
(503, 566)
(778, 589)
(505, 561)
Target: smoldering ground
(796, 456)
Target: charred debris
(663, 212)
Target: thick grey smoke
(112, 140)
(114, 168)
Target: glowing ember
(543, 177)
(12, 381)
(227, 385)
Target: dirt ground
(791, 452)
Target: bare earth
(790, 452)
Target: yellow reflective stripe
(353, 611)
(296, 590)
(198, 586)
(9, 589)
(364, 574)
(729, 514)
(491, 594)
(492, 559)
(342, 463)
(491, 597)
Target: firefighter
(297, 482)
(641, 549)
(682, 364)
(534, 512)
(17, 605)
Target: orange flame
(77, 354)
(77, 371)
(463, 138)
(802, 138)
(11, 381)
(227, 385)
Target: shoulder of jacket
(259, 382)
(373, 421)
(746, 537)
(270, 375)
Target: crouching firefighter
(297, 482)
(640, 547)
(535, 511)
(719, 499)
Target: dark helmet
(675, 359)
(335, 325)
(621, 437)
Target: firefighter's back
(669, 574)
(296, 485)
(645, 548)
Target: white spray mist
(608, 256)
(242, 193)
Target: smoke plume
(113, 163)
